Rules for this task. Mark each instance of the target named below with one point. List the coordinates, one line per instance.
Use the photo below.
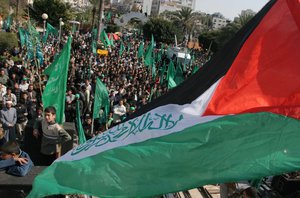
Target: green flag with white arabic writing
(55, 91)
(101, 100)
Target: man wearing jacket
(8, 118)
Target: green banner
(101, 100)
(55, 91)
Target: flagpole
(101, 6)
(209, 48)
(92, 128)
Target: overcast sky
(229, 8)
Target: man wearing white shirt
(119, 112)
(2, 92)
(24, 85)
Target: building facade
(78, 3)
(159, 6)
(219, 21)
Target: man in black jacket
(21, 119)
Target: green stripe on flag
(228, 149)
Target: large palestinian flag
(235, 119)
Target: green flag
(31, 40)
(22, 36)
(39, 55)
(55, 91)
(101, 100)
(196, 68)
(151, 94)
(179, 78)
(7, 23)
(163, 70)
(49, 30)
(141, 50)
(104, 39)
(94, 33)
(159, 55)
(152, 41)
(81, 136)
(149, 55)
(171, 71)
(33, 45)
(112, 41)
(108, 17)
(122, 49)
(171, 83)
(94, 47)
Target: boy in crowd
(13, 160)
(53, 135)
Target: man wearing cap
(8, 118)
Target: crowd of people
(129, 83)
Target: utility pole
(17, 13)
(101, 7)
(93, 19)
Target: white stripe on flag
(156, 123)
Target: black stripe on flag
(211, 72)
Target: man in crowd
(3, 77)
(8, 117)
